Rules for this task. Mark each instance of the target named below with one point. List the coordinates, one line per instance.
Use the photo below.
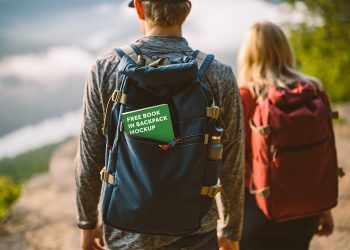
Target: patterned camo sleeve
(233, 156)
(90, 154)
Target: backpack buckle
(262, 130)
(211, 191)
(263, 192)
(340, 172)
(106, 177)
(119, 97)
(213, 112)
(334, 115)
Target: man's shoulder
(221, 74)
(217, 66)
(103, 65)
(108, 57)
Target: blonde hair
(266, 60)
(166, 13)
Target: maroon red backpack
(294, 162)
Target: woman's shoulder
(248, 101)
(244, 91)
(246, 95)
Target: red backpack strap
(249, 104)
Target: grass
(24, 166)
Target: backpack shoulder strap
(203, 61)
(134, 53)
(129, 50)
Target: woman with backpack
(290, 149)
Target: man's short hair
(166, 13)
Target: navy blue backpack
(149, 187)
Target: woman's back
(290, 151)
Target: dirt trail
(44, 216)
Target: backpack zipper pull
(171, 144)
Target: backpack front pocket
(158, 191)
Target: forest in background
(322, 45)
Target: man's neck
(174, 31)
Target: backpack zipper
(275, 150)
(191, 139)
(182, 141)
(301, 147)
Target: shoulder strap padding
(203, 61)
(127, 50)
(134, 53)
(136, 49)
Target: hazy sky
(95, 25)
(47, 48)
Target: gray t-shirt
(91, 151)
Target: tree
(323, 50)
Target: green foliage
(9, 192)
(22, 167)
(324, 51)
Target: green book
(152, 122)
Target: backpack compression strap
(204, 60)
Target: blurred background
(46, 50)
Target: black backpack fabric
(151, 187)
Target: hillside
(35, 161)
(44, 216)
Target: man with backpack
(160, 193)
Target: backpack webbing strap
(203, 61)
